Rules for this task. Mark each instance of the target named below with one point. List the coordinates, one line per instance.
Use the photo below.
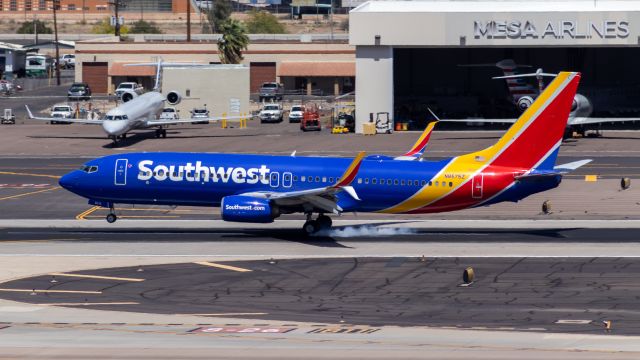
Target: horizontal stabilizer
(568, 167)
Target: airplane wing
(323, 197)
(593, 120)
(71, 120)
(190, 120)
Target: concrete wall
(374, 82)
(216, 86)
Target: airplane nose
(68, 181)
(115, 127)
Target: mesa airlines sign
(564, 29)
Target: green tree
(104, 27)
(143, 27)
(218, 14)
(27, 28)
(263, 22)
(234, 39)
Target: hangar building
(411, 55)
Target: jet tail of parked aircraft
(161, 64)
(533, 141)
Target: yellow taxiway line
(97, 277)
(220, 266)
(37, 291)
(29, 193)
(29, 174)
(86, 212)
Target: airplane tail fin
(518, 86)
(161, 64)
(532, 142)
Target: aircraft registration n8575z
(259, 188)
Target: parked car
(271, 91)
(79, 91)
(62, 112)
(68, 61)
(295, 114)
(169, 113)
(128, 87)
(200, 113)
(271, 113)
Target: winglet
(351, 172)
(29, 112)
(418, 148)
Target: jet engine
(174, 97)
(581, 106)
(524, 103)
(250, 209)
(128, 96)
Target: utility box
(222, 89)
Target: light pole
(56, 3)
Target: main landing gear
(323, 222)
(112, 217)
(115, 138)
(161, 133)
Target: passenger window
(366, 181)
(388, 181)
(450, 184)
(424, 182)
(395, 182)
(317, 178)
(295, 178)
(436, 183)
(303, 178)
(444, 183)
(331, 179)
(359, 181)
(374, 181)
(402, 182)
(324, 179)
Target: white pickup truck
(271, 113)
(129, 87)
(62, 112)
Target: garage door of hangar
(261, 72)
(96, 75)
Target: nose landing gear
(161, 133)
(111, 217)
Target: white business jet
(138, 111)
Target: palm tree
(234, 39)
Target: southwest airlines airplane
(259, 188)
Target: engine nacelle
(581, 106)
(240, 208)
(524, 103)
(174, 97)
(128, 96)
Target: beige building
(322, 67)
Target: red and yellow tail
(537, 134)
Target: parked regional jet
(140, 112)
(523, 95)
(259, 188)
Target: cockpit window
(88, 169)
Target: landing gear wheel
(123, 136)
(114, 139)
(158, 132)
(111, 218)
(310, 227)
(324, 221)
(163, 132)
